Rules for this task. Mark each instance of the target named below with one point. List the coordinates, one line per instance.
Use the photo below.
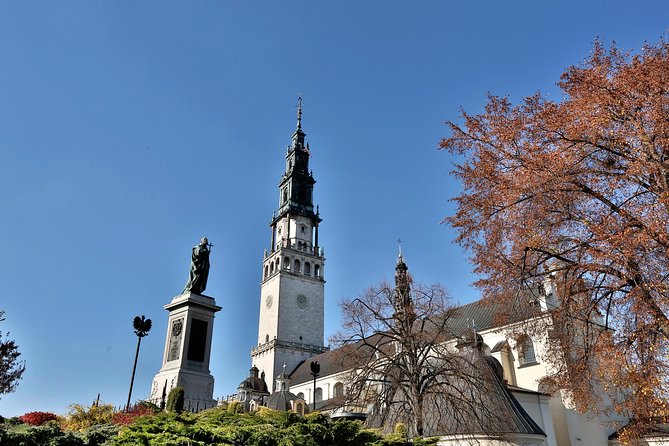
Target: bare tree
(11, 368)
(400, 347)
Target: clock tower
(290, 329)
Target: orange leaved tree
(579, 188)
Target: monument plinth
(187, 352)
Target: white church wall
(511, 440)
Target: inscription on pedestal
(175, 339)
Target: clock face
(268, 301)
(302, 301)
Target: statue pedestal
(187, 352)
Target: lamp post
(315, 370)
(142, 327)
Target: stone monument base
(200, 387)
(187, 353)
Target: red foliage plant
(137, 410)
(38, 418)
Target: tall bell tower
(290, 328)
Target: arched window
(338, 390)
(267, 271)
(299, 408)
(277, 264)
(283, 385)
(286, 263)
(525, 348)
(271, 268)
(300, 395)
(296, 266)
(319, 394)
(307, 268)
(317, 270)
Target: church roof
(254, 383)
(483, 314)
(280, 400)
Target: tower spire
(299, 112)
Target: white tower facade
(290, 329)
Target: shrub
(38, 418)
(175, 400)
(83, 417)
(236, 407)
(140, 409)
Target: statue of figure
(199, 268)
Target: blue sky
(129, 129)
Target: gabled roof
(482, 313)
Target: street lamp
(315, 370)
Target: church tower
(290, 329)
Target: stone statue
(199, 268)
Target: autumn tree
(399, 344)
(579, 189)
(11, 368)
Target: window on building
(338, 390)
(267, 271)
(319, 394)
(317, 270)
(307, 268)
(526, 355)
(286, 263)
(271, 268)
(296, 267)
(300, 395)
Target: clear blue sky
(130, 129)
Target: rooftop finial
(399, 256)
(299, 112)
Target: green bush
(51, 434)
(219, 426)
(175, 400)
(236, 407)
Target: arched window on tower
(307, 268)
(266, 271)
(277, 264)
(286, 263)
(525, 347)
(317, 270)
(296, 266)
(271, 268)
